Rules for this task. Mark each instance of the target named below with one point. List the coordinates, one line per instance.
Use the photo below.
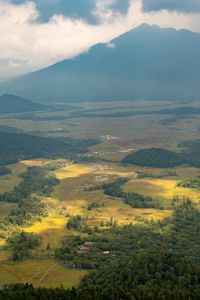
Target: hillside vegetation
(19, 146)
(162, 158)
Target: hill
(145, 63)
(19, 146)
(163, 158)
(13, 104)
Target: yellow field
(52, 230)
(161, 189)
(71, 171)
(46, 273)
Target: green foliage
(176, 235)
(157, 176)
(95, 205)
(35, 180)
(30, 196)
(18, 146)
(74, 222)
(21, 245)
(4, 171)
(29, 211)
(152, 261)
(154, 157)
(192, 151)
(194, 183)
(145, 272)
(142, 292)
(133, 199)
(162, 158)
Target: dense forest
(18, 146)
(162, 158)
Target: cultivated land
(120, 134)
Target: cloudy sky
(37, 33)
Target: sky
(37, 33)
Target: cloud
(187, 6)
(34, 45)
(27, 44)
(77, 9)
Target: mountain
(145, 63)
(13, 104)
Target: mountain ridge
(144, 63)
(13, 104)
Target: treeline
(162, 158)
(154, 291)
(156, 176)
(135, 200)
(19, 146)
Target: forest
(19, 146)
(162, 158)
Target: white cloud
(26, 45)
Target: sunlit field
(162, 189)
(40, 273)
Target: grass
(161, 189)
(8, 182)
(70, 171)
(46, 273)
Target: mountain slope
(13, 104)
(147, 62)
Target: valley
(75, 207)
